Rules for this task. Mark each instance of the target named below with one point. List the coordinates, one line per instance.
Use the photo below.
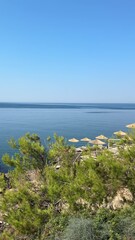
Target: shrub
(79, 229)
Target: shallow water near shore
(68, 120)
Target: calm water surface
(69, 120)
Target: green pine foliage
(32, 154)
(3, 183)
(48, 185)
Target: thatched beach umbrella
(74, 140)
(97, 142)
(132, 125)
(102, 137)
(131, 131)
(85, 139)
(120, 133)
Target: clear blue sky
(67, 51)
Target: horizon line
(21, 102)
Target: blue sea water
(68, 120)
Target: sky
(67, 51)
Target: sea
(66, 119)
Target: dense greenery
(54, 192)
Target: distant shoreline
(112, 106)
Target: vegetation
(53, 192)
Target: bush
(79, 229)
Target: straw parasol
(132, 125)
(74, 140)
(85, 139)
(97, 142)
(102, 137)
(120, 133)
